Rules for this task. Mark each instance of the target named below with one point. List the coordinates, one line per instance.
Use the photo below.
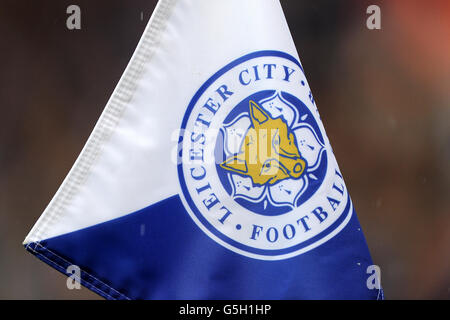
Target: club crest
(268, 152)
(256, 170)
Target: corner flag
(209, 174)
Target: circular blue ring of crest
(198, 214)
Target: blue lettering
(255, 69)
(333, 202)
(198, 176)
(196, 155)
(286, 233)
(269, 69)
(224, 92)
(225, 216)
(305, 225)
(241, 80)
(211, 201)
(256, 231)
(201, 121)
(320, 214)
(211, 106)
(288, 72)
(198, 137)
(275, 234)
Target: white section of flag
(126, 164)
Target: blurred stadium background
(383, 96)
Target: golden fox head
(269, 152)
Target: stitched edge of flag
(380, 295)
(86, 279)
(106, 124)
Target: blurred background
(383, 96)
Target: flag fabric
(209, 174)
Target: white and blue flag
(209, 174)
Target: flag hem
(86, 279)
